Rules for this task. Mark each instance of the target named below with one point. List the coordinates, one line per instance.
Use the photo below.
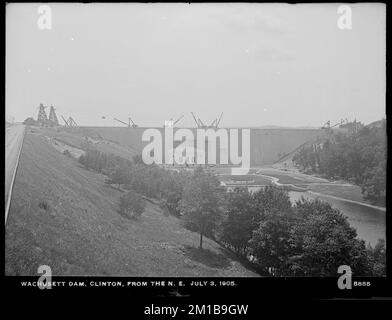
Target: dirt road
(13, 145)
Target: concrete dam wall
(266, 145)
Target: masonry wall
(266, 145)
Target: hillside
(75, 138)
(377, 124)
(358, 157)
(66, 217)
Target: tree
(270, 199)
(201, 203)
(238, 224)
(138, 160)
(323, 240)
(378, 257)
(252, 215)
(132, 204)
(120, 175)
(272, 243)
(373, 186)
(171, 185)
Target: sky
(259, 64)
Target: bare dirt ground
(66, 217)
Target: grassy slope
(75, 139)
(346, 192)
(82, 234)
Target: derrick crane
(171, 123)
(134, 125)
(53, 117)
(327, 125)
(72, 122)
(199, 123)
(178, 119)
(214, 124)
(127, 124)
(194, 118)
(339, 123)
(66, 122)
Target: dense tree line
(307, 238)
(147, 180)
(358, 157)
(102, 162)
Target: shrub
(67, 153)
(43, 205)
(132, 205)
(30, 122)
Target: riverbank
(369, 220)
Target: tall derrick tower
(52, 117)
(42, 118)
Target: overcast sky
(284, 65)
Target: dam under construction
(266, 146)
(260, 146)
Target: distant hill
(377, 124)
(283, 127)
(361, 160)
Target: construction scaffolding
(52, 117)
(42, 118)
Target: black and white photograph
(220, 141)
